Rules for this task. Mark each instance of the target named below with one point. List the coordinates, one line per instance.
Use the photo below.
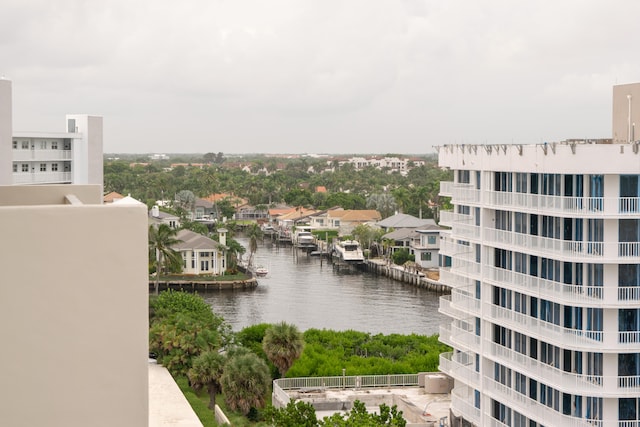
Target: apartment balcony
(568, 338)
(460, 193)
(452, 248)
(566, 382)
(463, 336)
(463, 300)
(532, 409)
(454, 280)
(462, 405)
(446, 218)
(460, 366)
(564, 206)
(565, 250)
(447, 309)
(607, 296)
(445, 334)
(41, 155)
(41, 178)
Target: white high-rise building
(543, 258)
(73, 156)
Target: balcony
(454, 280)
(460, 193)
(445, 334)
(565, 250)
(577, 207)
(463, 336)
(532, 409)
(462, 405)
(447, 309)
(463, 300)
(460, 366)
(41, 178)
(41, 155)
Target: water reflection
(310, 293)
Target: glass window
(54, 167)
(15, 167)
(54, 145)
(25, 167)
(43, 167)
(15, 145)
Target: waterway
(310, 293)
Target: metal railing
(282, 385)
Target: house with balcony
(543, 258)
(70, 156)
(201, 254)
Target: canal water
(310, 293)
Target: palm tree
(161, 239)
(283, 345)
(253, 233)
(206, 371)
(245, 382)
(384, 203)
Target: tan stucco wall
(621, 112)
(73, 313)
(6, 133)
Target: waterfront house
(156, 216)
(201, 254)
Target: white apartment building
(73, 156)
(543, 257)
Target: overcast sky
(323, 76)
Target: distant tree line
(295, 184)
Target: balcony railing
(463, 300)
(41, 155)
(546, 331)
(460, 366)
(41, 177)
(566, 206)
(555, 291)
(462, 404)
(564, 249)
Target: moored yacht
(348, 251)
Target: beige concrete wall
(73, 314)
(49, 194)
(621, 104)
(6, 133)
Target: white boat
(261, 271)
(303, 238)
(348, 251)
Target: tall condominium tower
(543, 257)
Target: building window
(25, 167)
(15, 167)
(54, 167)
(43, 167)
(431, 240)
(15, 145)
(54, 145)
(204, 265)
(43, 145)
(25, 145)
(425, 256)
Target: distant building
(200, 254)
(73, 156)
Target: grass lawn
(198, 278)
(199, 403)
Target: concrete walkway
(167, 404)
